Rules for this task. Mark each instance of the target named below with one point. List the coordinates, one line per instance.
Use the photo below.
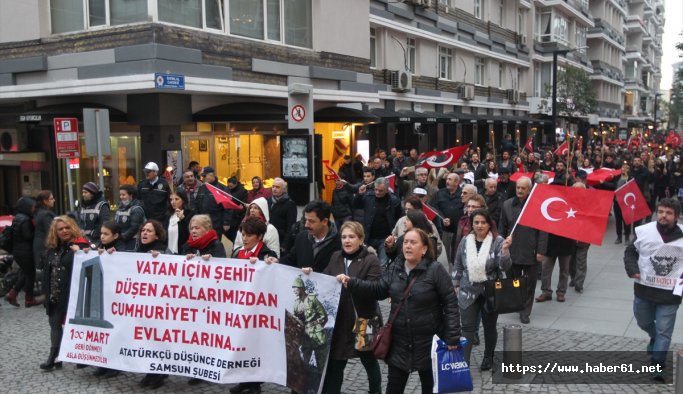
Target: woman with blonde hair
(203, 239)
(64, 239)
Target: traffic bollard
(512, 349)
(679, 372)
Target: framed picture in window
(295, 158)
(203, 145)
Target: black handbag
(505, 295)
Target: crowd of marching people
(423, 235)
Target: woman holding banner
(431, 307)
(203, 239)
(63, 239)
(252, 230)
(353, 260)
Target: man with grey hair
(381, 210)
(541, 178)
(421, 181)
(282, 210)
(494, 201)
(527, 243)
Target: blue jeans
(657, 320)
(378, 245)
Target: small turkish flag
(673, 139)
(441, 159)
(392, 182)
(529, 145)
(562, 150)
(223, 198)
(632, 203)
(570, 212)
(429, 212)
(335, 175)
(601, 175)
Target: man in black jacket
(494, 201)
(234, 216)
(153, 192)
(313, 248)
(282, 210)
(207, 205)
(448, 203)
(381, 211)
(653, 260)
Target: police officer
(154, 191)
(92, 211)
(309, 310)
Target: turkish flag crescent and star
(560, 151)
(530, 145)
(570, 212)
(222, 197)
(441, 159)
(335, 175)
(632, 203)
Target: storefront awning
(44, 115)
(344, 115)
(460, 117)
(242, 112)
(403, 116)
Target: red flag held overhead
(530, 145)
(429, 212)
(570, 212)
(392, 182)
(335, 175)
(222, 197)
(441, 159)
(601, 175)
(632, 203)
(562, 150)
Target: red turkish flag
(392, 182)
(601, 175)
(223, 198)
(335, 175)
(570, 212)
(673, 139)
(429, 212)
(441, 159)
(632, 203)
(562, 150)
(529, 145)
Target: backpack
(7, 239)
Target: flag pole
(570, 157)
(523, 208)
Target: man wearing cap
(207, 205)
(92, 211)
(346, 170)
(505, 187)
(234, 216)
(154, 191)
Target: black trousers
(55, 318)
(470, 325)
(397, 379)
(27, 274)
(622, 228)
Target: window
(580, 40)
(560, 29)
(479, 70)
(270, 19)
(412, 52)
(543, 26)
(537, 81)
(373, 47)
(445, 63)
(68, 15)
(193, 13)
(501, 75)
(479, 9)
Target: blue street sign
(169, 81)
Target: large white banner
(223, 320)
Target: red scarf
(246, 254)
(202, 242)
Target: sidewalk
(599, 319)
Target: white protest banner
(223, 320)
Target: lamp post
(555, 52)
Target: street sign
(298, 113)
(169, 81)
(66, 138)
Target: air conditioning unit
(401, 81)
(522, 40)
(467, 92)
(423, 3)
(12, 141)
(513, 96)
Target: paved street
(599, 319)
